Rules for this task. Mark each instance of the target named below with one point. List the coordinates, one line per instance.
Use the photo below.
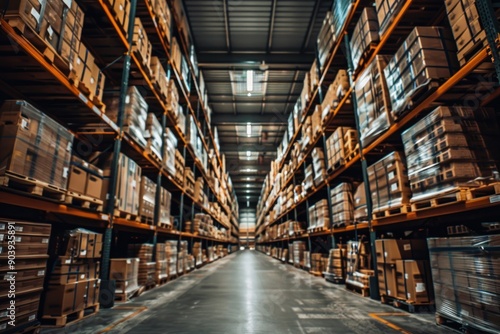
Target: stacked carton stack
(146, 273)
(386, 11)
(308, 182)
(291, 254)
(317, 263)
(165, 207)
(121, 11)
(318, 165)
(170, 158)
(84, 183)
(73, 277)
(159, 77)
(337, 263)
(135, 114)
(403, 271)
(448, 149)
(465, 272)
(341, 147)
(197, 253)
(360, 208)
(86, 75)
(307, 260)
(319, 216)
(211, 254)
(358, 264)
(182, 257)
(32, 240)
(389, 184)
(341, 10)
(336, 92)
(147, 199)
(189, 182)
(299, 247)
(34, 146)
(153, 134)
(342, 205)
(125, 273)
(171, 255)
(424, 59)
(141, 46)
(373, 101)
(179, 167)
(325, 39)
(161, 272)
(365, 35)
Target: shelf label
(104, 217)
(495, 199)
(83, 98)
(151, 227)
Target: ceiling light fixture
(250, 81)
(248, 204)
(249, 129)
(248, 170)
(249, 154)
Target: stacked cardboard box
(147, 268)
(402, 270)
(373, 101)
(325, 39)
(197, 253)
(337, 262)
(389, 183)
(426, 57)
(299, 247)
(86, 74)
(171, 255)
(342, 204)
(318, 159)
(308, 182)
(358, 264)
(365, 35)
(73, 275)
(125, 273)
(360, 208)
(128, 182)
(32, 240)
(199, 194)
(189, 181)
(153, 134)
(211, 254)
(341, 147)
(341, 10)
(141, 46)
(159, 77)
(465, 273)
(121, 9)
(386, 11)
(33, 145)
(291, 253)
(163, 17)
(317, 263)
(319, 216)
(307, 260)
(84, 179)
(182, 257)
(448, 149)
(161, 270)
(336, 92)
(165, 207)
(147, 199)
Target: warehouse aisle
(249, 292)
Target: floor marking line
(376, 316)
(130, 316)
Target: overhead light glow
(249, 153)
(248, 204)
(249, 94)
(250, 81)
(249, 129)
(248, 186)
(248, 170)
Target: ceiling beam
(312, 20)
(226, 26)
(247, 147)
(275, 61)
(271, 27)
(274, 118)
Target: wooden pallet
(333, 279)
(125, 215)
(166, 226)
(32, 327)
(484, 191)
(126, 296)
(403, 209)
(407, 305)
(460, 326)
(417, 96)
(146, 287)
(32, 186)
(316, 273)
(83, 201)
(363, 291)
(365, 56)
(145, 220)
(70, 318)
(90, 94)
(457, 195)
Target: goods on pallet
(342, 205)
(159, 77)
(147, 268)
(125, 272)
(337, 264)
(307, 260)
(72, 276)
(465, 273)
(386, 11)
(165, 207)
(86, 75)
(198, 253)
(163, 17)
(341, 147)
(128, 181)
(161, 270)
(373, 101)
(448, 149)
(336, 91)
(171, 254)
(318, 166)
(358, 264)
(341, 9)
(121, 10)
(317, 264)
(153, 134)
(299, 247)
(467, 28)
(141, 45)
(425, 58)
(360, 208)
(32, 240)
(397, 259)
(364, 36)
(325, 39)
(319, 216)
(389, 184)
(36, 150)
(84, 184)
(147, 198)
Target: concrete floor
(249, 292)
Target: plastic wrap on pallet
(33, 144)
(373, 101)
(386, 11)
(125, 272)
(465, 273)
(340, 146)
(427, 56)
(450, 148)
(336, 91)
(147, 195)
(325, 39)
(342, 204)
(163, 17)
(159, 77)
(153, 135)
(389, 182)
(337, 264)
(299, 248)
(365, 35)
(340, 9)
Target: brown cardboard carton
(390, 250)
(413, 281)
(26, 228)
(78, 175)
(64, 299)
(387, 279)
(94, 182)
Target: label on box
(25, 124)
(45, 241)
(35, 14)
(2, 226)
(67, 261)
(41, 273)
(406, 275)
(407, 247)
(19, 228)
(32, 317)
(495, 199)
(420, 287)
(82, 276)
(464, 312)
(18, 239)
(394, 187)
(50, 31)
(390, 176)
(385, 254)
(408, 295)
(83, 252)
(65, 172)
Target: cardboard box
(387, 279)
(390, 250)
(64, 299)
(124, 269)
(413, 281)
(78, 175)
(28, 10)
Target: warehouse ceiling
(275, 39)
